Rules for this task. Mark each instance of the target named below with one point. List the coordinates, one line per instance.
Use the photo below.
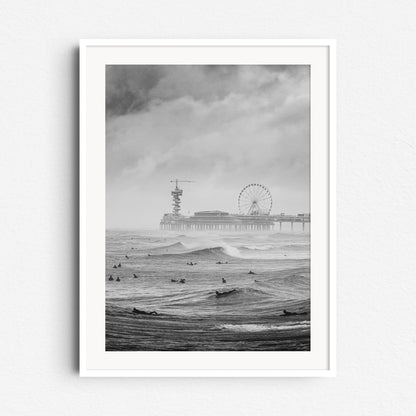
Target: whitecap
(264, 327)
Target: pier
(254, 203)
(223, 221)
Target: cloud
(222, 126)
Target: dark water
(190, 316)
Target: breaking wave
(258, 247)
(288, 326)
(211, 252)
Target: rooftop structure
(211, 214)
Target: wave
(175, 247)
(297, 280)
(257, 247)
(220, 250)
(264, 247)
(243, 302)
(212, 252)
(287, 326)
(297, 246)
(250, 292)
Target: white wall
(376, 206)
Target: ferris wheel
(255, 199)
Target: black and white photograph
(207, 190)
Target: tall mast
(176, 197)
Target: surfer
(182, 281)
(118, 279)
(111, 278)
(223, 280)
(114, 267)
(135, 275)
(174, 280)
(127, 256)
(286, 313)
(119, 265)
(250, 272)
(229, 292)
(139, 312)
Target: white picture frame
(320, 361)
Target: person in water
(111, 278)
(118, 279)
(250, 272)
(139, 312)
(223, 280)
(229, 292)
(135, 275)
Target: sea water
(205, 313)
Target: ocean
(235, 289)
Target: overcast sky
(221, 126)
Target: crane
(176, 195)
